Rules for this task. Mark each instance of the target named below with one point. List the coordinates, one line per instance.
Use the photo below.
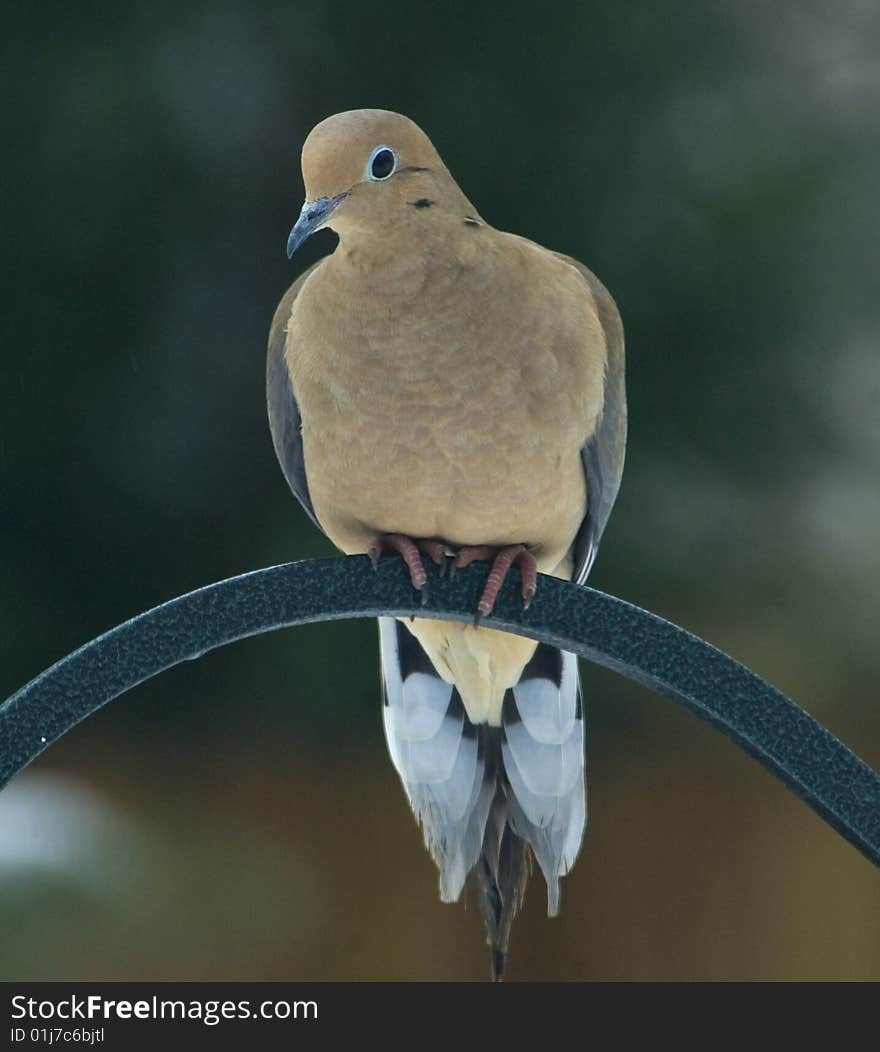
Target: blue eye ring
(378, 169)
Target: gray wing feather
(603, 454)
(285, 422)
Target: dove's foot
(502, 560)
(409, 550)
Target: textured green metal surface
(635, 643)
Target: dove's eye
(382, 163)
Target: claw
(528, 594)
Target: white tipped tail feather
(482, 794)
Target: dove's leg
(502, 560)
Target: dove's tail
(486, 795)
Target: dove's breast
(451, 416)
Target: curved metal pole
(801, 752)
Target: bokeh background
(717, 164)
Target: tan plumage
(448, 379)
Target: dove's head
(366, 171)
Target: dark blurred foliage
(717, 164)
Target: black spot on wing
(423, 202)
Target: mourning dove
(438, 386)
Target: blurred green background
(717, 165)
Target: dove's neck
(420, 247)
